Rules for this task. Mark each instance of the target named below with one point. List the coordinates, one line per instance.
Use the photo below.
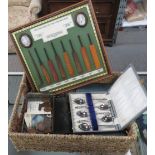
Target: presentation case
(63, 50)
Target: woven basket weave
(67, 143)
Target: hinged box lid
(128, 96)
(63, 50)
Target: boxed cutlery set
(63, 53)
(111, 110)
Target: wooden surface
(105, 10)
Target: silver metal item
(82, 113)
(107, 117)
(79, 101)
(104, 106)
(84, 127)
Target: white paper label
(71, 80)
(54, 33)
(55, 28)
(33, 108)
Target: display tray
(63, 50)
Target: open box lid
(63, 50)
(128, 96)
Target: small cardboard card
(63, 50)
(112, 110)
(38, 115)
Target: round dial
(81, 19)
(26, 40)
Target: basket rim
(132, 136)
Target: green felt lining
(72, 34)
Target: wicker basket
(67, 143)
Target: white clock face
(25, 40)
(81, 19)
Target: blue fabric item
(91, 111)
(37, 119)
